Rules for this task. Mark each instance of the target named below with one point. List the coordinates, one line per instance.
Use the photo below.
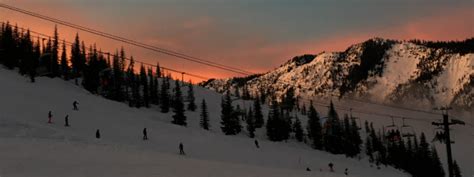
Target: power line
(392, 106)
(131, 42)
(384, 115)
(41, 35)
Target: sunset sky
(255, 35)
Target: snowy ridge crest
(380, 70)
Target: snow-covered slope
(31, 147)
(380, 70)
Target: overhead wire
(45, 36)
(131, 42)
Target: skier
(50, 116)
(66, 119)
(75, 103)
(256, 144)
(307, 169)
(145, 136)
(97, 134)
(181, 149)
(346, 172)
(331, 167)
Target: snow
(31, 147)
(399, 56)
(452, 79)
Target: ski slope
(31, 147)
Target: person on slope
(66, 119)
(50, 117)
(181, 149)
(74, 104)
(97, 134)
(331, 167)
(145, 136)
(256, 144)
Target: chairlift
(392, 132)
(407, 130)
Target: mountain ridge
(379, 70)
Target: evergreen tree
(333, 135)
(130, 82)
(152, 86)
(245, 93)
(33, 65)
(437, 168)
(230, 121)
(144, 84)
(355, 138)
(278, 123)
(54, 54)
(76, 58)
(303, 109)
(456, 170)
(178, 106)
(190, 99)
(8, 44)
(164, 96)
(314, 128)
(298, 129)
(272, 122)
(250, 120)
(259, 121)
(204, 116)
(26, 52)
(158, 71)
(288, 100)
(118, 76)
(64, 64)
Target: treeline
(112, 76)
(330, 133)
(462, 47)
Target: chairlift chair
(392, 132)
(407, 130)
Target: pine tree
(130, 83)
(117, 78)
(64, 64)
(259, 121)
(76, 57)
(26, 52)
(230, 121)
(245, 94)
(437, 168)
(54, 54)
(144, 84)
(303, 109)
(190, 98)
(250, 120)
(278, 123)
(298, 129)
(333, 135)
(34, 62)
(355, 138)
(314, 128)
(204, 116)
(288, 100)
(272, 122)
(164, 96)
(456, 170)
(8, 44)
(178, 106)
(158, 71)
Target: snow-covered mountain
(380, 70)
